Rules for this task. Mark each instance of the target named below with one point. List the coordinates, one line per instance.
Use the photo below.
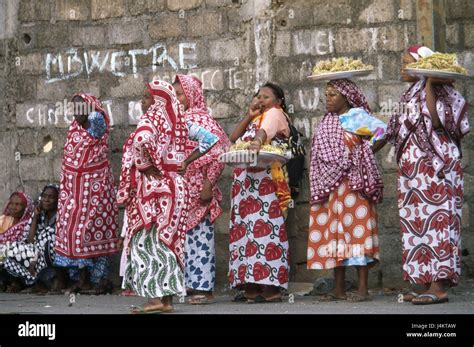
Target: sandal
(143, 310)
(434, 299)
(412, 295)
(332, 297)
(200, 300)
(356, 297)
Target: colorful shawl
(208, 166)
(159, 141)
(358, 121)
(331, 160)
(17, 231)
(415, 118)
(87, 218)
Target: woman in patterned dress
(156, 197)
(13, 223)
(204, 193)
(427, 133)
(345, 186)
(87, 219)
(35, 266)
(258, 246)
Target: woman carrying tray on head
(427, 134)
(258, 240)
(345, 187)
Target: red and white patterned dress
(208, 166)
(259, 250)
(430, 184)
(87, 218)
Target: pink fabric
(331, 160)
(208, 166)
(416, 119)
(274, 123)
(17, 231)
(159, 141)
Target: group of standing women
(168, 187)
(345, 186)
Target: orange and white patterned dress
(343, 230)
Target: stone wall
(51, 49)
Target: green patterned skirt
(152, 269)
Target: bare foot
(332, 297)
(408, 297)
(152, 306)
(425, 298)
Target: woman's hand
(152, 172)
(255, 145)
(182, 168)
(378, 145)
(37, 211)
(252, 113)
(120, 243)
(206, 192)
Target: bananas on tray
(439, 61)
(340, 64)
(276, 149)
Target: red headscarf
(160, 202)
(16, 232)
(93, 101)
(330, 160)
(208, 166)
(418, 51)
(452, 112)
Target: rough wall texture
(51, 49)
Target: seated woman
(35, 265)
(15, 216)
(13, 222)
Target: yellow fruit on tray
(340, 64)
(276, 149)
(439, 61)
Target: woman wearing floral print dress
(156, 197)
(427, 134)
(258, 240)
